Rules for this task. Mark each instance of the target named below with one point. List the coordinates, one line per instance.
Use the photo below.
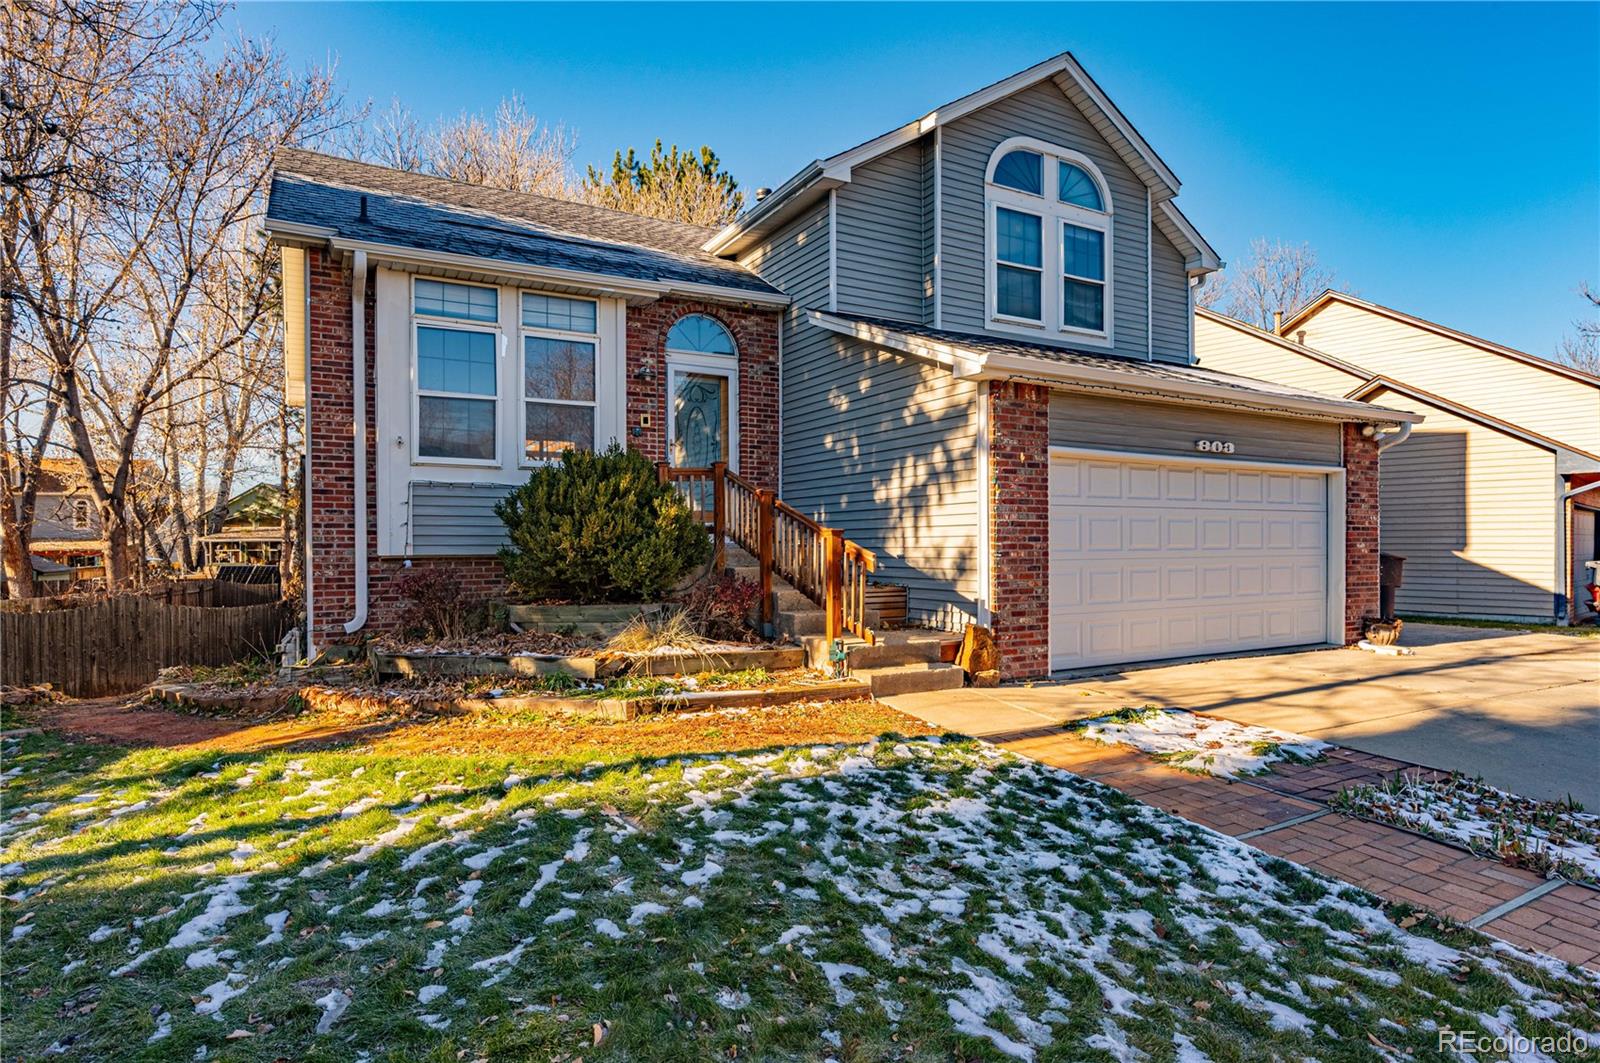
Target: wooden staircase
(813, 582)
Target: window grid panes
(700, 334)
(1083, 291)
(1077, 188)
(554, 312)
(1021, 170)
(1019, 274)
(455, 360)
(466, 301)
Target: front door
(701, 418)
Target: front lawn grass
(674, 891)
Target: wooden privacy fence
(118, 645)
(818, 561)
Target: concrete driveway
(1520, 709)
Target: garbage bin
(1391, 568)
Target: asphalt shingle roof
(432, 214)
(1248, 387)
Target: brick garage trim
(331, 574)
(1360, 530)
(1019, 526)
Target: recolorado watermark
(1503, 1045)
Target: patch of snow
(1219, 747)
(333, 1005)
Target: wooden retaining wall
(118, 645)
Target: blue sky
(1443, 159)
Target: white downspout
(1564, 573)
(358, 431)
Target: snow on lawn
(855, 900)
(1202, 743)
(1544, 836)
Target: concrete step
(911, 678)
(795, 625)
(892, 648)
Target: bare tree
(1581, 350)
(513, 150)
(116, 267)
(1274, 277)
(675, 185)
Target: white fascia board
(603, 283)
(837, 168)
(1201, 257)
(1047, 371)
(298, 232)
(974, 365)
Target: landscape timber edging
(582, 667)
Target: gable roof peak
(822, 175)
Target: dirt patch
(384, 728)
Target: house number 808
(1213, 446)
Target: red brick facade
(1019, 527)
(1360, 530)
(331, 579)
(755, 333)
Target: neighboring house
(66, 522)
(1480, 498)
(251, 532)
(967, 343)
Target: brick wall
(330, 432)
(1360, 530)
(755, 332)
(1019, 527)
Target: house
(967, 343)
(251, 531)
(66, 524)
(1485, 499)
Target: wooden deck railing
(818, 561)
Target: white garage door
(1165, 558)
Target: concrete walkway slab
(1520, 709)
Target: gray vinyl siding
(878, 445)
(1043, 112)
(456, 519)
(881, 219)
(1169, 308)
(885, 448)
(1168, 428)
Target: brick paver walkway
(1284, 813)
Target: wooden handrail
(817, 560)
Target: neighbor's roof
(318, 196)
(1330, 296)
(814, 180)
(1384, 383)
(981, 355)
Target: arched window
(1049, 242)
(700, 334)
(702, 393)
(80, 513)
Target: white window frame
(591, 338)
(1054, 215)
(421, 320)
(724, 365)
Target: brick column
(331, 578)
(1360, 530)
(755, 333)
(1019, 527)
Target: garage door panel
(1161, 559)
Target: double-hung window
(1049, 221)
(560, 342)
(457, 371)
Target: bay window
(456, 341)
(559, 345)
(1049, 242)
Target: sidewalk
(1283, 813)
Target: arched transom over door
(702, 393)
